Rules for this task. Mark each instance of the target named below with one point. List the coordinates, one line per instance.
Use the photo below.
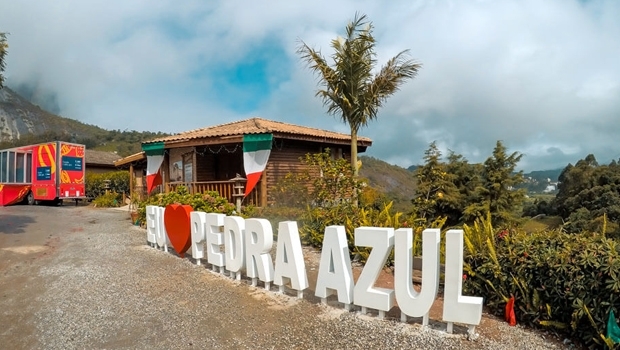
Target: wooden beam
(132, 178)
(263, 189)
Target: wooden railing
(224, 188)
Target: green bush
(314, 221)
(569, 282)
(95, 183)
(108, 200)
(208, 202)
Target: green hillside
(397, 183)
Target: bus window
(3, 166)
(29, 168)
(19, 167)
(11, 167)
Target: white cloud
(510, 70)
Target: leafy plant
(568, 282)
(209, 202)
(117, 181)
(108, 200)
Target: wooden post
(263, 189)
(132, 179)
(165, 177)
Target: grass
(542, 224)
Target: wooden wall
(285, 158)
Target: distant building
(100, 162)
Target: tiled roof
(100, 157)
(258, 126)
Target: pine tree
(436, 195)
(497, 191)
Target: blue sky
(542, 76)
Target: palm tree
(3, 50)
(351, 90)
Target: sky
(541, 76)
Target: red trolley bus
(50, 171)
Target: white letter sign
(335, 273)
(456, 307)
(381, 240)
(290, 264)
(258, 243)
(410, 302)
(234, 228)
(198, 222)
(215, 240)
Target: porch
(225, 189)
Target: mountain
(397, 183)
(23, 123)
(19, 118)
(541, 181)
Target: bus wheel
(30, 198)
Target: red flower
(464, 277)
(502, 234)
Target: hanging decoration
(154, 158)
(256, 150)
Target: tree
(435, 195)
(589, 195)
(497, 193)
(466, 178)
(350, 88)
(3, 50)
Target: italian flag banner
(256, 150)
(154, 159)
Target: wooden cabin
(209, 158)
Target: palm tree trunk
(354, 162)
(354, 152)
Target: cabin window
(188, 168)
(336, 153)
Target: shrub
(314, 221)
(291, 191)
(107, 200)
(209, 202)
(569, 282)
(95, 183)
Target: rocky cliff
(19, 118)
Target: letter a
(290, 265)
(335, 273)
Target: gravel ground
(99, 285)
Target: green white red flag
(256, 150)
(154, 159)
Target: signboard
(44, 173)
(72, 163)
(207, 233)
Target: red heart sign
(176, 221)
